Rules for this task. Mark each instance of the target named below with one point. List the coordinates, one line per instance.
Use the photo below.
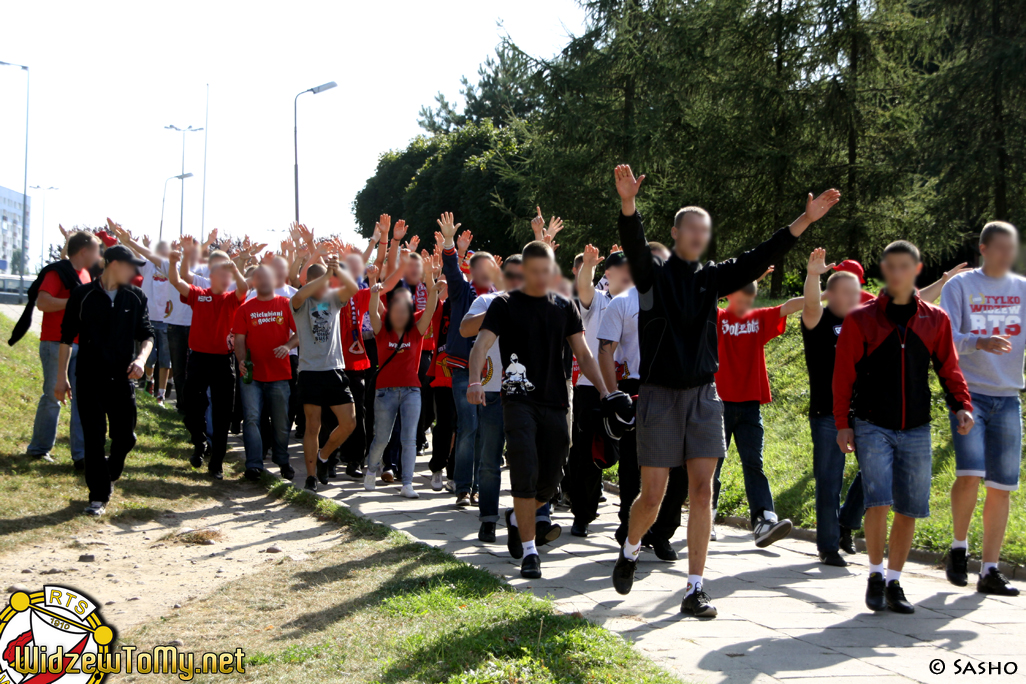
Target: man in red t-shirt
(263, 329)
(743, 385)
(83, 250)
(210, 356)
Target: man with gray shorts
(679, 414)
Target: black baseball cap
(616, 259)
(121, 253)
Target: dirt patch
(140, 570)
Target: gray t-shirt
(981, 306)
(320, 341)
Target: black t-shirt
(820, 350)
(901, 314)
(532, 333)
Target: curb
(925, 556)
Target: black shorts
(324, 388)
(537, 443)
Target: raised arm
(932, 292)
(241, 286)
(793, 305)
(812, 304)
(307, 290)
(347, 286)
(586, 276)
(375, 309)
(632, 230)
(174, 275)
(429, 308)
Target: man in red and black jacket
(882, 403)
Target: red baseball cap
(107, 239)
(852, 266)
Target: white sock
(513, 519)
(322, 460)
(631, 551)
(893, 575)
(876, 568)
(529, 548)
(694, 584)
(160, 394)
(956, 544)
(985, 568)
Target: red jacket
(881, 373)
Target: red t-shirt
(351, 330)
(51, 327)
(212, 318)
(742, 375)
(401, 371)
(266, 325)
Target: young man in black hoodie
(679, 414)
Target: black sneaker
(994, 582)
(832, 558)
(487, 533)
(299, 434)
(545, 532)
(322, 471)
(311, 483)
(79, 464)
(957, 567)
(620, 535)
(353, 471)
(847, 541)
(196, 460)
(623, 573)
(698, 604)
(513, 543)
(663, 550)
(332, 469)
(253, 474)
(896, 600)
(769, 530)
(875, 592)
(216, 474)
(235, 428)
(287, 471)
(531, 567)
(579, 529)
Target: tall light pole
(24, 190)
(181, 177)
(42, 224)
(183, 131)
(295, 130)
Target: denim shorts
(160, 355)
(896, 467)
(993, 448)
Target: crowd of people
(504, 361)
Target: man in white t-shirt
(156, 287)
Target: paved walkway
(782, 615)
(14, 311)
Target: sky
(107, 77)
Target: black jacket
(107, 331)
(69, 278)
(678, 301)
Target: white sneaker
(437, 481)
(95, 508)
(409, 492)
(712, 533)
(370, 480)
(450, 486)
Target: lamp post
(295, 130)
(42, 224)
(181, 177)
(24, 190)
(183, 131)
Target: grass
(380, 608)
(788, 460)
(39, 500)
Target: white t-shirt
(491, 377)
(592, 317)
(175, 311)
(155, 285)
(620, 325)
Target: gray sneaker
(768, 529)
(95, 508)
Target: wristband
(474, 384)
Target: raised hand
(447, 227)
(371, 272)
(615, 248)
(497, 259)
(769, 269)
(626, 185)
(961, 268)
(399, 232)
(413, 243)
(817, 262)
(548, 240)
(439, 239)
(268, 258)
(174, 257)
(463, 244)
(382, 227)
(332, 265)
(211, 237)
(592, 258)
(817, 208)
(146, 241)
(555, 225)
(538, 225)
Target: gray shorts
(676, 425)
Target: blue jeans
(743, 422)
(467, 421)
(993, 448)
(48, 412)
(828, 470)
(488, 456)
(390, 403)
(896, 467)
(160, 355)
(274, 396)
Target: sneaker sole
(707, 612)
(779, 531)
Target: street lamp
(183, 131)
(295, 130)
(181, 177)
(42, 224)
(24, 190)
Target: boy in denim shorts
(882, 404)
(986, 320)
